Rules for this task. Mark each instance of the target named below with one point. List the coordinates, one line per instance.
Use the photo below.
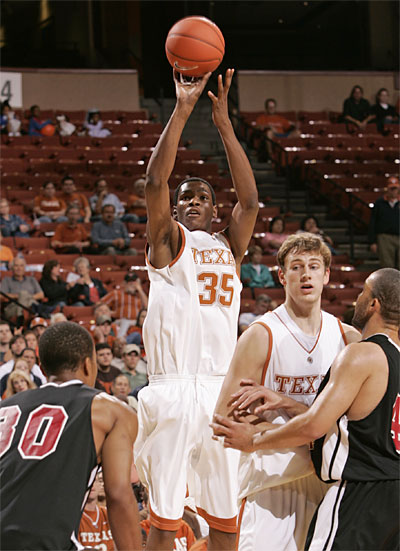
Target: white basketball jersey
(295, 366)
(193, 309)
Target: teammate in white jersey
(279, 362)
(190, 330)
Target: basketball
(195, 46)
(48, 130)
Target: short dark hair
(102, 346)
(275, 218)
(5, 322)
(72, 207)
(67, 177)
(308, 217)
(194, 179)
(64, 347)
(268, 100)
(15, 338)
(108, 205)
(32, 108)
(379, 93)
(385, 287)
(45, 184)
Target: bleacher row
(27, 162)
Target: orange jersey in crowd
(77, 199)
(66, 234)
(49, 205)
(95, 531)
(279, 124)
(184, 538)
(124, 305)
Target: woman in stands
(94, 125)
(54, 288)
(310, 224)
(356, 109)
(255, 274)
(383, 112)
(274, 238)
(86, 290)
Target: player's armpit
(248, 362)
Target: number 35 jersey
(193, 309)
(47, 464)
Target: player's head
(66, 351)
(304, 262)
(195, 204)
(380, 297)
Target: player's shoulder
(351, 334)
(361, 356)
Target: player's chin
(195, 223)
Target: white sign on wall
(11, 88)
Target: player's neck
(307, 317)
(375, 326)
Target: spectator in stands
(85, 291)
(137, 202)
(25, 289)
(110, 235)
(47, 207)
(383, 112)
(73, 198)
(94, 527)
(121, 389)
(102, 197)
(103, 331)
(276, 235)
(106, 372)
(9, 123)
(131, 357)
(54, 288)
(64, 127)
(38, 325)
(6, 256)
(31, 340)
(35, 123)
(135, 332)
(58, 317)
(17, 346)
(263, 305)
(34, 370)
(5, 337)
(273, 126)
(71, 237)
(12, 225)
(255, 274)
(310, 224)
(356, 109)
(94, 125)
(118, 352)
(126, 303)
(18, 381)
(384, 226)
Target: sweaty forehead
(304, 256)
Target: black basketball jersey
(367, 449)
(47, 464)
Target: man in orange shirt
(47, 206)
(94, 529)
(126, 303)
(274, 126)
(71, 237)
(71, 197)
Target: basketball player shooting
(191, 329)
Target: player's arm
(351, 334)
(350, 371)
(162, 230)
(244, 214)
(118, 423)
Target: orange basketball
(195, 46)
(48, 130)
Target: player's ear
(281, 276)
(215, 211)
(174, 213)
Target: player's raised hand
(256, 398)
(220, 113)
(187, 93)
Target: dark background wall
(267, 35)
